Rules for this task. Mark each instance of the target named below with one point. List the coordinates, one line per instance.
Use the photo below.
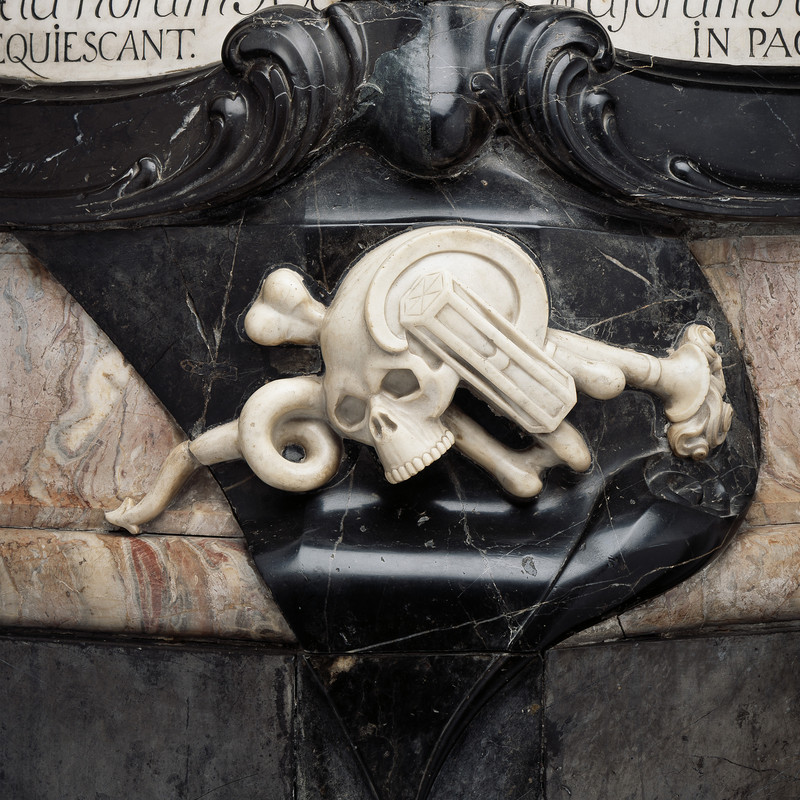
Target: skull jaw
(405, 443)
(403, 470)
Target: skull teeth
(417, 464)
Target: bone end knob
(284, 312)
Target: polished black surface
(446, 560)
(432, 726)
(410, 709)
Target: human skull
(387, 383)
(391, 401)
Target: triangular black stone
(402, 714)
(327, 766)
(497, 753)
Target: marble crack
(760, 770)
(229, 285)
(320, 239)
(701, 717)
(624, 74)
(190, 115)
(20, 322)
(56, 155)
(513, 630)
(628, 313)
(197, 321)
(780, 119)
(333, 554)
(469, 623)
(619, 264)
(229, 783)
(448, 199)
(578, 93)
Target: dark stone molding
(290, 81)
(662, 135)
(592, 117)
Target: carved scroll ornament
(298, 84)
(415, 318)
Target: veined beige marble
(79, 429)
(755, 580)
(176, 586)
(757, 280)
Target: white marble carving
(415, 318)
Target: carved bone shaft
(212, 447)
(681, 380)
(689, 381)
(519, 472)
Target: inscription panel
(89, 40)
(753, 32)
(86, 40)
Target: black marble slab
(712, 717)
(432, 726)
(348, 127)
(327, 764)
(428, 86)
(401, 714)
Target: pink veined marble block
(757, 280)
(756, 581)
(176, 586)
(79, 429)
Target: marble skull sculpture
(413, 319)
(402, 332)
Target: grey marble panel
(712, 718)
(101, 721)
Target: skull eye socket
(350, 411)
(400, 383)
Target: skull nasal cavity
(382, 424)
